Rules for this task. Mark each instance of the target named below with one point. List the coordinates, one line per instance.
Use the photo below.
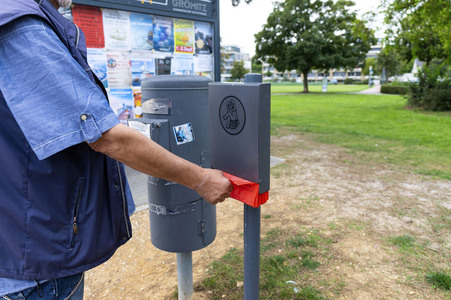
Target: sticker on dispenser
(183, 133)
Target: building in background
(338, 75)
(229, 55)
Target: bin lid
(175, 82)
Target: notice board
(129, 40)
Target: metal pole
(251, 252)
(252, 236)
(185, 275)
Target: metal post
(252, 237)
(185, 275)
(251, 252)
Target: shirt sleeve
(49, 94)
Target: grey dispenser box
(240, 130)
(176, 111)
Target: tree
(238, 70)
(422, 28)
(369, 62)
(303, 35)
(406, 66)
(419, 28)
(390, 61)
(257, 65)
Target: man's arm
(141, 153)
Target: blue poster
(141, 30)
(142, 66)
(163, 34)
(121, 101)
(97, 62)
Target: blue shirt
(47, 91)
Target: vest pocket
(78, 195)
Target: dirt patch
(359, 203)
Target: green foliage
(238, 70)
(401, 83)
(438, 98)
(433, 90)
(256, 65)
(390, 61)
(393, 89)
(370, 62)
(349, 81)
(406, 66)
(304, 35)
(439, 280)
(419, 28)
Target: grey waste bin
(176, 108)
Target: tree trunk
(305, 75)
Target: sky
(238, 24)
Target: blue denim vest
(67, 213)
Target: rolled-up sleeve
(49, 94)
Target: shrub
(349, 81)
(400, 83)
(394, 89)
(433, 90)
(439, 97)
(414, 95)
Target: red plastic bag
(246, 191)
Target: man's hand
(214, 187)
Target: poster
(116, 25)
(182, 65)
(121, 101)
(137, 102)
(163, 66)
(97, 62)
(141, 30)
(184, 36)
(90, 21)
(163, 34)
(119, 69)
(203, 38)
(203, 63)
(142, 66)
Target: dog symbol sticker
(232, 115)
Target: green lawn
(279, 88)
(377, 126)
(377, 129)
